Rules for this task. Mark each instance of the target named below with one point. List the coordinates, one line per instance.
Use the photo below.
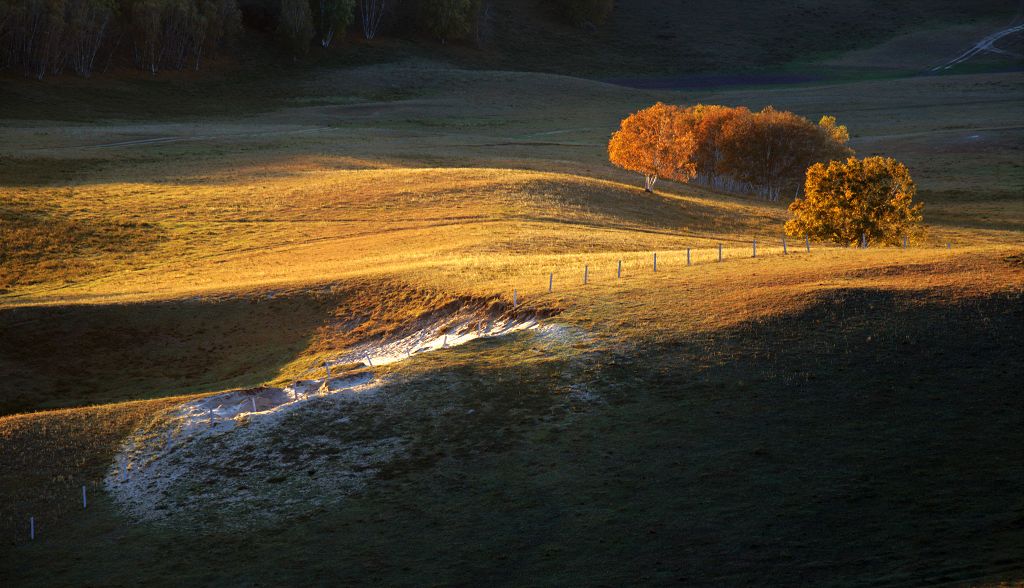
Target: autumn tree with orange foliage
(770, 150)
(657, 142)
(708, 121)
(726, 148)
(845, 200)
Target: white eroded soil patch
(232, 459)
(457, 329)
(218, 461)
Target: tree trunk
(649, 183)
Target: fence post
(85, 501)
(755, 248)
(618, 273)
(807, 243)
(904, 241)
(655, 263)
(864, 240)
(515, 298)
(719, 252)
(586, 273)
(687, 256)
(551, 281)
(785, 250)
(32, 528)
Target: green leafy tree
(331, 17)
(847, 199)
(449, 19)
(371, 14)
(295, 26)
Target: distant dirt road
(986, 45)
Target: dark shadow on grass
(872, 439)
(58, 357)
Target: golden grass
(314, 225)
(445, 176)
(463, 227)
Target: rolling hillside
(831, 416)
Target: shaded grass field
(55, 357)
(810, 447)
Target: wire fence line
(718, 255)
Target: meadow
(832, 416)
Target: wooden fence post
(807, 243)
(755, 248)
(785, 250)
(586, 273)
(655, 263)
(618, 274)
(551, 281)
(719, 252)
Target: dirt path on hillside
(986, 45)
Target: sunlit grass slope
(818, 407)
(307, 226)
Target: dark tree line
(47, 37)
(43, 37)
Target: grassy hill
(645, 37)
(840, 416)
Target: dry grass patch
(315, 225)
(38, 244)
